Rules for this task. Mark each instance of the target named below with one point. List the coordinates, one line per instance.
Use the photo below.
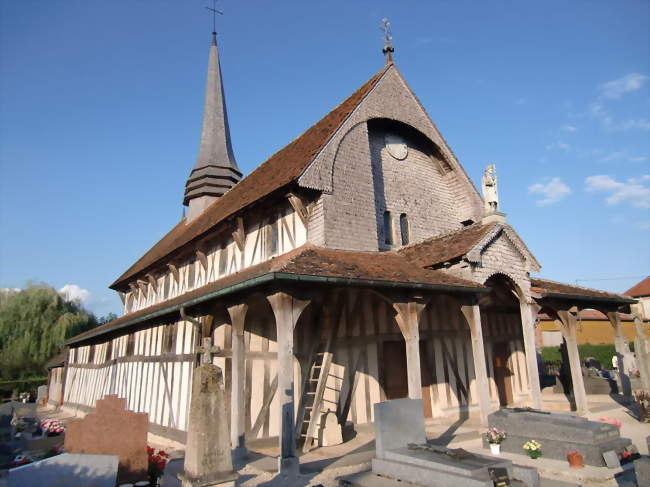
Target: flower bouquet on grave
(157, 463)
(52, 427)
(613, 421)
(533, 448)
(575, 459)
(494, 437)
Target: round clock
(396, 146)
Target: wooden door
(502, 372)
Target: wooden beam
(203, 259)
(239, 234)
(299, 207)
(152, 281)
(174, 271)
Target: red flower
(162, 453)
(150, 451)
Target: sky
(101, 105)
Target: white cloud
(613, 156)
(640, 124)
(569, 128)
(552, 191)
(9, 290)
(638, 159)
(72, 292)
(615, 89)
(558, 144)
(598, 112)
(635, 191)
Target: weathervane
(214, 15)
(388, 49)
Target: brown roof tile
(546, 287)
(446, 247)
(307, 260)
(639, 290)
(279, 170)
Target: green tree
(34, 323)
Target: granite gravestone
(403, 454)
(67, 470)
(41, 394)
(112, 430)
(558, 434)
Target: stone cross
(207, 350)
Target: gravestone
(207, 451)
(67, 470)
(642, 470)
(330, 432)
(41, 394)
(112, 430)
(403, 454)
(558, 434)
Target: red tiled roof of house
(639, 290)
(591, 315)
(306, 261)
(446, 247)
(546, 287)
(278, 171)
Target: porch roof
(304, 265)
(558, 290)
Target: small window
(404, 228)
(388, 229)
(272, 238)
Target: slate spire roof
(216, 170)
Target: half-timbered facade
(357, 264)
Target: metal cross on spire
(388, 49)
(214, 15)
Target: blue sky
(101, 103)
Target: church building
(357, 264)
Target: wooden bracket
(203, 259)
(299, 207)
(174, 271)
(153, 282)
(122, 296)
(239, 235)
(143, 286)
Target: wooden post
(569, 330)
(472, 314)
(641, 346)
(528, 314)
(287, 309)
(408, 318)
(622, 352)
(237, 314)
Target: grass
(602, 353)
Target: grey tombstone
(642, 470)
(398, 423)
(558, 434)
(67, 469)
(611, 459)
(208, 458)
(403, 454)
(330, 432)
(41, 394)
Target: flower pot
(575, 460)
(534, 454)
(495, 448)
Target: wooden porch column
(622, 352)
(237, 314)
(472, 314)
(408, 319)
(528, 314)
(287, 310)
(641, 347)
(569, 331)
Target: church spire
(215, 171)
(388, 49)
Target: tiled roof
(639, 290)
(58, 360)
(547, 288)
(446, 247)
(591, 315)
(306, 262)
(277, 172)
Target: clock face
(396, 146)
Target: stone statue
(489, 187)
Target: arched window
(404, 228)
(388, 229)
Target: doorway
(396, 373)
(502, 372)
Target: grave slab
(397, 423)
(67, 469)
(558, 434)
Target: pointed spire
(388, 49)
(216, 170)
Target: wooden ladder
(314, 385)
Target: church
(357, 264)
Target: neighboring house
(357, 264)
(55, 377)
(641, 292)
